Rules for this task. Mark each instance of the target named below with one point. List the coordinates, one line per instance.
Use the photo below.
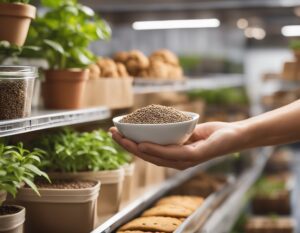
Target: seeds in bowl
(156, 114)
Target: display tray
(190, 224)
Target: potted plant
(64, 33)
(15, 18)
(90, 155)
(295, 46)
(18, 166)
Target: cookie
(152, 224)
(168, 210)
(190, 202)
(139, 232)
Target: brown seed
(156, 114)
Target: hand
(209, 140)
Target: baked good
(95, 71)
(136, 61)
(152, 224)
(158, 69)
(121, 56)
(108, 67)
(139, 232)
(122, 71)
(190, 202)
(168, 210)
(164, 55)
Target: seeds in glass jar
(156, 114)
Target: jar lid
(17, 72)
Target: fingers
(172, 152)
(132, 147)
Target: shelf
(205, 83)
(221, 221)
(44, 119)
(271, 86)
(149, 197)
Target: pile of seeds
(155, 114)
(12, 99)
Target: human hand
(209, 140)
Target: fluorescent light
(291, 30)
(174, 24)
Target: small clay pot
(13, 223)
(64, 89)
(15, 20)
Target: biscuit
(139, 232)
(168, 210)
(152, 224)
(190, 202)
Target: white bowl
(163, 134)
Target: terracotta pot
(109, 199)
(13, 223)
(15, 20)
(59, 210)
(64, 89)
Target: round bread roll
(136, 61)
(122, 71)
(108, 68)
(165, 56)
(94, 71)
(158, 69)
(121, 56)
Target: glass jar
(16, 90)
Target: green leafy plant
(268, 187)
(71, 151)
(13, 51)
(15, 1)
(224, 96)
(65, 32)
(295, 44)
(18, 166)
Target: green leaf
(31, 185)
(55, 45)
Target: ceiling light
(291, 30)
(242, 23)
(175, 24)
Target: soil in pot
(11, 219)
(64, 206)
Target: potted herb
(271, 195)
(295, 46)
(64, 33)
(15, 18)
(90, 155)
(18, 166)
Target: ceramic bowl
(163, 134)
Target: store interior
(69, 68)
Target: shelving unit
(44, 119)
(205, 83)
(221, 221)
(271, 86)
(149, 197)
(233, 196)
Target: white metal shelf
(44, 119)
(224, 217)
(149, 197)
(144, 86)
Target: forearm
(279, 126)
